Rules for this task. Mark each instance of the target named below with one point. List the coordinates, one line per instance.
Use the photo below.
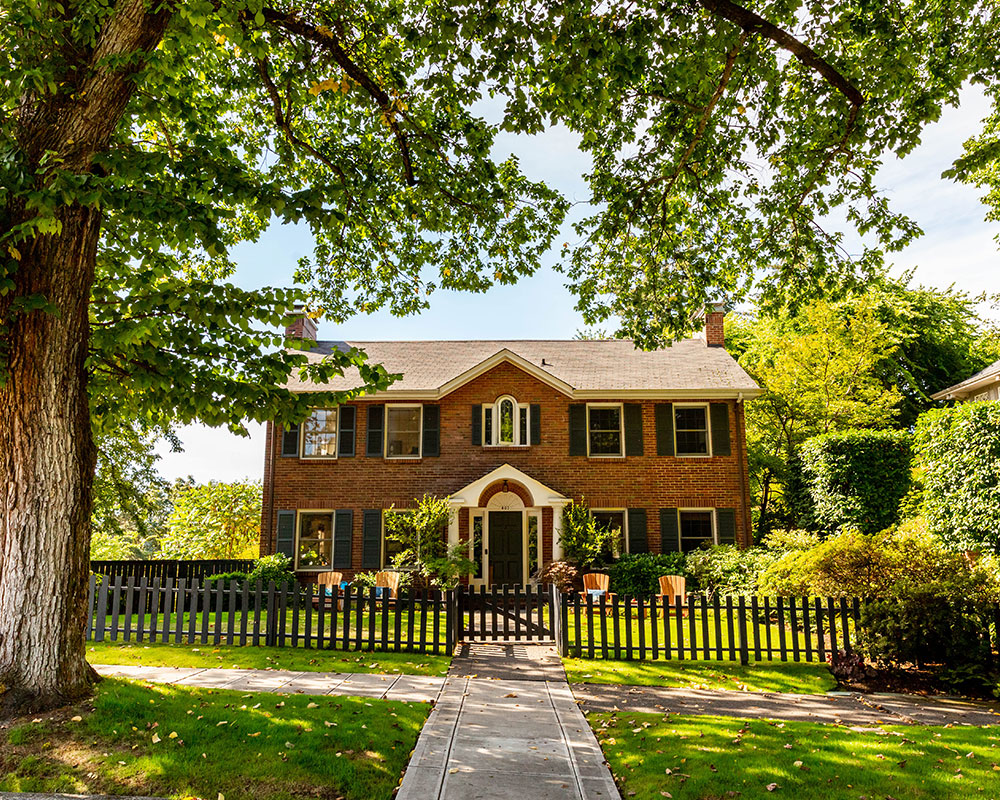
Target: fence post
(744, 649)
(270, 639)
(556, 616)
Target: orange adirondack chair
(388, 580)
(672, 586)
(328, 582)
(597, 581)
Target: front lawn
(691, 758)
(290, 658)
(177, 741)
(758, 677)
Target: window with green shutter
(375, 431)
(285, 534)
(720, 429)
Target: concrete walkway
(842, 708)
(410, 688)
(493, 737)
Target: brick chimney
(302, 326)
(713, 316)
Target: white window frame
(624, 513)
(385, 432)
(495, 425)
(711, 513)
(299, 514)
(302, 437)
(708, 430)
(382, 559)
(621, 430)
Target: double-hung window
(403, 431)
(612, 521)
(319, 434)
(315, 550)
(605, 432)
(691, 436)
(696, 529)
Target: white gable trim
(541, 495)
(500, 357)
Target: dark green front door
(506, 548)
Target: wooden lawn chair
(328, 582)
(597, 581)
(388, 580)
(672, 586)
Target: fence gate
(512, 613)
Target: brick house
(510, 432)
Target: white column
(557, 520)
(453, 524)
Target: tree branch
(326, 39)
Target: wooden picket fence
(695, 627)
(171, 568)
(126, 609)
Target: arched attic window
(506, 422)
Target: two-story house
(510, 432)
(979, 388)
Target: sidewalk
(409, 688)
(491, 737)
(842, 708)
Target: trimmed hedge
(638, 575)
(959, 451)
(857, 479)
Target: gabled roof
(971, 385)
(578, 368)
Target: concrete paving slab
(313, 683)
(211, 678)
(260, 681)
(487, 785)
(541, 756)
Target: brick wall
(648, 481)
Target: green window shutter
(638, 542)
(725, 525)
(343, 538)
(376, 426)
(536, 424)
(432, 431)
(290, 441)
(633, 429)
(720, 429)
(285, 540)
(577, 429)
(346, 424)
(664, 413)
(669, 538)
(477, 425)
(371, 540)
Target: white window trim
(715, 527)
(495, 410)
(708, 430)
(302, 438)
(299, 513)
(385, 432)
(621, 430)
(624, 513)
(382, 558)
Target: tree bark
(47, 453)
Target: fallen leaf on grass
(772, 786)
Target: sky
(958, 247)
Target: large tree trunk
(47, 454)
(47, 460)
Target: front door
(506, 556)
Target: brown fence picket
(179, 611)
(577, 643)
(767, 628)
(717, 617)
(307, 609)
(168, 599)
(781, 630)
(820, 641)
(245, 609)
(744, 645)
(807, 629)
(793, 619)
(729, 629)
(627, 602)
(129, 602)
(755, 621)
(831, 614)
(102, 611)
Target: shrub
(856, 479)
(223, 579)
(782, 540)
(726, 569)
(366, 580)
(561, 574)
(637, 575)
(276, 567)
(958, 450)
(422, 536)
(584, 542)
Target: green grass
(174, 741)
(694, 758)
(758, 677)
(291, 658)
